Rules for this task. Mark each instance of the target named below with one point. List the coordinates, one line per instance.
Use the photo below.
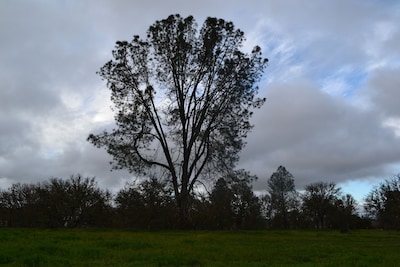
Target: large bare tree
(206, 90)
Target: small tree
(145, 205)
(245, 205)
(205, 93)
(233, 202)
(343, 213)
(383, 203)
(158, 205)
(221, 204)
(282, 194)
(76, 202)
(130, 207)
(21, 206)
(318, 199)
(267, 210)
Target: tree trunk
(183, 211)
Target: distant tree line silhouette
(230, 205)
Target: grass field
(90, 247)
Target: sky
(332, 86)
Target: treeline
(231, 204)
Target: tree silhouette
(233, 202)
(221, 204)
(383, 203)
(318, 199)
(282, 194)
(75, 202)
(205, 93)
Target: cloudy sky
(332, 86)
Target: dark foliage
(206, 90)
(282, 200)
(383, 203)
(77, 202)
(319, 201)
(231, 205)
(148, 205)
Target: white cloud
(393, 123)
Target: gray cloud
(318, 137)
(384, 91)
(331, 85)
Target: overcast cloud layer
(332, 85)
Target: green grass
(91, 247)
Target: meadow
(105, 247)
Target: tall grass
(34, 247)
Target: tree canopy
(318, 199)
(383, 203)
(149, 204)
(182, 98)
(282, 193)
